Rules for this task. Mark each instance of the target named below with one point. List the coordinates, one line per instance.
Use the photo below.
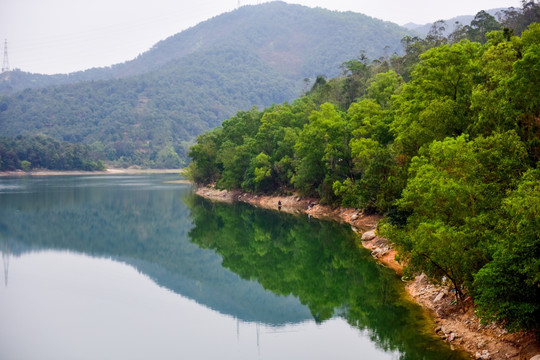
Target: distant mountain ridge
(423, 29)
(286, 26)
(139, 110)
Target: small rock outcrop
(368, 235)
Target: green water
(134, 267)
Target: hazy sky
(61, 36)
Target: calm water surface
(133, 267)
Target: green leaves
(204, 168)
(435, 103)
(508, 288)
(454, 192)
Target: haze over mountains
(142, 109)
(148, 111)
(290, 38)
(423, 29)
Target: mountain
(423, 30)
(270, 29)
(138, 111)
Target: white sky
(62, 36)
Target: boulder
(368, 235)
(484, 355)
(439, 296)
(377, 253)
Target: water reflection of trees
(321, 264)
(132, 222)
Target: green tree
(383, 86)
(168, 158)
(276, 137)
(491, 104)
(436, 102)
(482, 24)
(26, 165)
(259, 175)
(519, 19)
(455, 188)
(524, 87)
(234, 161)
(204, 168)
(322, 153)
(507, 289)
(356, 73)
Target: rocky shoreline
(461, 329)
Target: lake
(136, 267)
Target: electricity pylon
(5, 63)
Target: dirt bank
(460, 328)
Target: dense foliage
(136, 120)
(43, 152)
(443, 140)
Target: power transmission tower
(5, 64)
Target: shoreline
(462, 330)
(109, 171)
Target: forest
(43, 152)
(443, 141)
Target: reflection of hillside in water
(140, 221)
(321, 264)
(222, 256)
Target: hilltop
(292, 38)
(149, 110)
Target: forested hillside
(149, 119)
(254, 56)
(42, 152)
(445, 141)
(294, 39)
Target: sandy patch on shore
(111, 171)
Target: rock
(452, 336)
(421, 279)
(439, 297)
(377, 253)
(484, 355)
(354, 217)
(480, 345)
(535, 357)
(368, 235)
